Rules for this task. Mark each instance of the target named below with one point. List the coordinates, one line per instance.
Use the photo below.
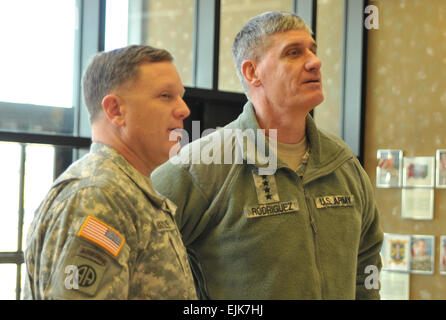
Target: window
(27, 172)
(330, 24)
(39, 176)
(37, 57)
(9, 189)
(234, 14)
(39, 64)
(44, 125)
(8, 274)
(116, 24)
(167, 24)
(36, 63)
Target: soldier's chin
(317, 101)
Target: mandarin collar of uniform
(143, 182)
(248, 120)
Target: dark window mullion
(217, 14)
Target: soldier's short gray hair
(252, 40)
(109, 70)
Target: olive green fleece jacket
(308, 234)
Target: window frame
(89, 37)
(204, 95)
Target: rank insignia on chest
(334, 201)
(268, 199)
(266, 188)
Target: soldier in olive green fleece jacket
(307, 230)
(317, 249)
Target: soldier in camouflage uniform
(102, 232)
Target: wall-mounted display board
(403, 255)
(405, 109)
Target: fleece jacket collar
(325, 157)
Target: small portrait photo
(389, 170)
(441, 169)
(395, 253)
(418, 171)
(422, 254)
(443, 255)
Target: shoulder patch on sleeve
(101, 234)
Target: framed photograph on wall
(389, 168)
(417, 203)
(422, 250)
(418, 171)
(443, 255)
(396, 252)
(441, 169)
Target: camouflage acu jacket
(102, 232)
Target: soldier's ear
(114, 109)
(248, 69)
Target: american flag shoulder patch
(102, 235)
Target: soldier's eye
(166, 96)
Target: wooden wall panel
(406, 109)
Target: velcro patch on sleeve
(102, 235)
(335, 201)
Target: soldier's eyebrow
(172, 87)
(314, 46)
(299, 44)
